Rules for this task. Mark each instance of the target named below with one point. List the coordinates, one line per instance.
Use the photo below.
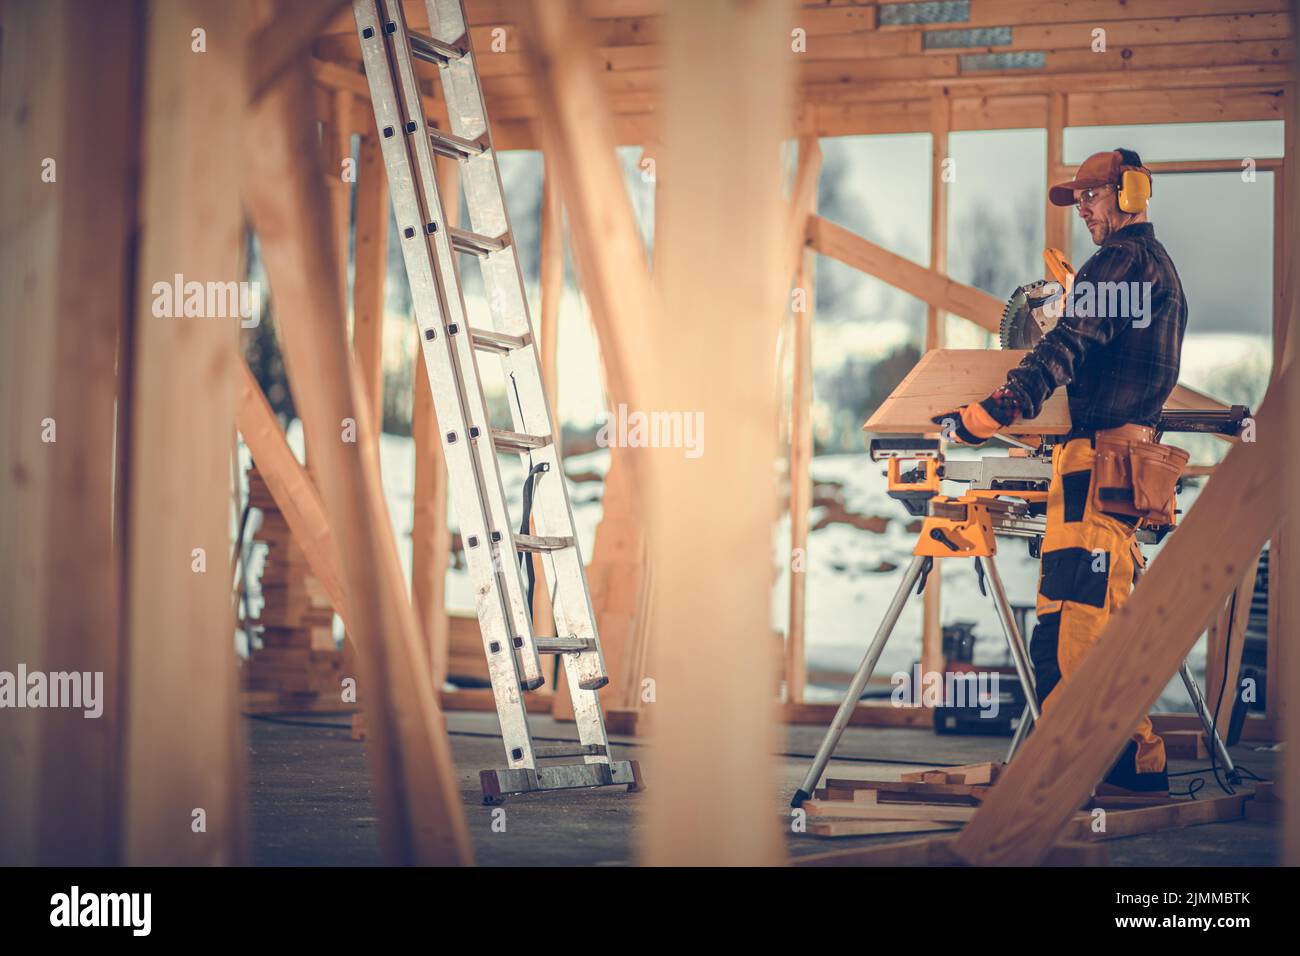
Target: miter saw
(1033, 309)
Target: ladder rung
(464, 241)
(445, 144)
(518, 441)
(538, 543)
(435, 51)
(563, 645)
(570, 750)
(489, 341)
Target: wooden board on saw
(945, 379)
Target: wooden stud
(70, 123)
(339, 127)
(723, 226)
(1287, 703)
(1057, 217)
(183, 763)
(803, 204)
(611, 263)
(287, 37)
(935, 338)
(370, 273)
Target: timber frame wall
(1167, 61)
(860, 72)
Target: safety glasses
(1089, 197)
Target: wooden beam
(416, 792)
(1282, 646)
(370, 272)
(337, 145)
(611, 262)
(183, 763)
(728, 86)
(935, 338)
(863, 715)
(285, 38)
(68, 109)
(294, 493)
(551, 280)
(1138, 652)
(927, 285)
(580, 142)
(803, 203)
(1224, 644)
(1057, 218)
(980, 84)
(801, 453)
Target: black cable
(1218, 700)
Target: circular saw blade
(1024, 319)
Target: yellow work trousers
(1089, 559)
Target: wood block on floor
(846, 828)
(1181, 813)
(975, 774)
(851, 809)
(1186, 745)
(900, 791)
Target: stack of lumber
(298, 664)
(921, 802)
(943, 799)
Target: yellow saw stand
(1007, 497)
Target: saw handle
(1059, 267)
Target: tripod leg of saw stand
(1022, 731)
(1019, 656)
(860, 679)
(1207, 720)
(1202, 709)
(1018, 653)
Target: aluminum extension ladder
(470, 443)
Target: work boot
(1123, 775)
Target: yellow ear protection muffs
(1135, 183)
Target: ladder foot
(498, 783)
(532, 684)
(799, 797)
(596, 683)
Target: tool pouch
(1136, 478)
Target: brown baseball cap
(1099, 169)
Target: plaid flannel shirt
(1118, 367)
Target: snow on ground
(846, 595)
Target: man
(1118, 365)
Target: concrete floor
(311, 803)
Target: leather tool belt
(1134, 475)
